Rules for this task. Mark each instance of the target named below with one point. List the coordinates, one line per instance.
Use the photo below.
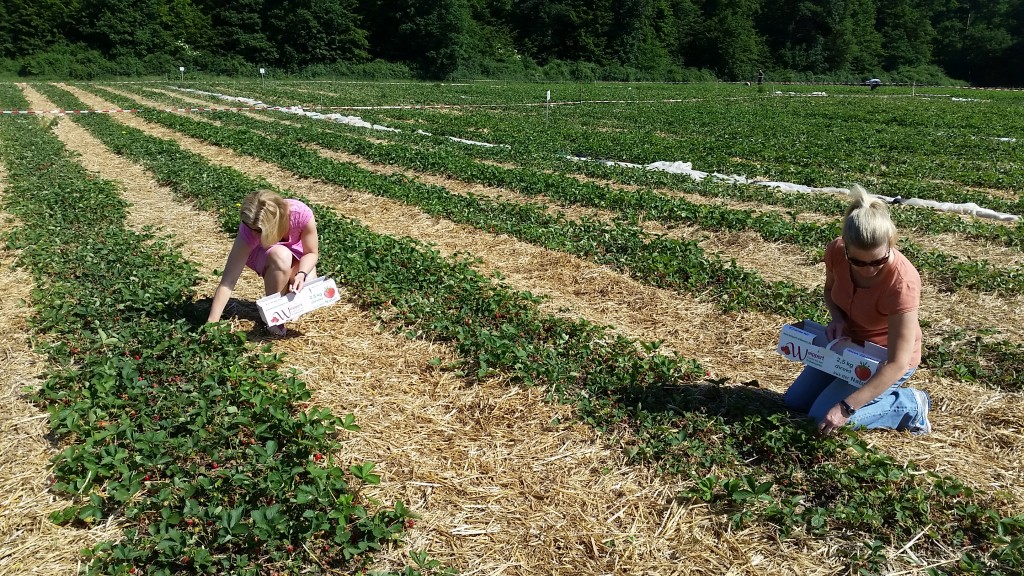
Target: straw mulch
(29, 542)
(561, 503)
(741, 346)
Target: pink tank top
(298, 216)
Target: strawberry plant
(767, 466)
(191, 434)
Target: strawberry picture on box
(805, 342)
(277, 309)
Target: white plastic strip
(677, 167)
(686, 168)
(339, 118)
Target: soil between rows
(976, 430)
(562, 503)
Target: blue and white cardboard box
(805, 342)
(277, 309)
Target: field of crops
(547, 358)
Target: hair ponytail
(867, 224)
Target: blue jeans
(815, 392)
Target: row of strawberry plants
(922, 220)
(190, 434)
(947, 272)
(686, 429)
(666, 262)
(591, 240)
(802, 140)
(919, 219)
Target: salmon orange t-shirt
(867, 310)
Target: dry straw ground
(492, 503)
(976, 442)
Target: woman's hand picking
(833, 421)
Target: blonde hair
(268, 211)
(867, 224)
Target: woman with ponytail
(873, 294)
(276, 238)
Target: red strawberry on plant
(862, 372)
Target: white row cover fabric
(677, 167)
(686, 168)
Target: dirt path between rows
(29, 542)
(984, 426)
(561, 503)
(977, 430)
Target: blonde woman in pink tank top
(277, 239)
(873, 294)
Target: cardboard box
(805, 341)
(317, 293)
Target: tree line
(976, 41)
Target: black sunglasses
(863, 264)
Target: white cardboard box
(805, 341)
(277, 309)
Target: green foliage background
(925, 41)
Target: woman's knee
(279, 258)
(802, 393)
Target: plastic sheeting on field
(677, 167)
(332, 117)
(686, 168)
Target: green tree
(308, 32)
(143, 27)
(635, 41)
(857, 46)
(734, 49)
(239, 31)
(907, 34)
(975, 39)
(571, 30)
(6, 44)
(32, 26)
(679, 25)
(796, 33)
(432, 36)
(489, 40)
